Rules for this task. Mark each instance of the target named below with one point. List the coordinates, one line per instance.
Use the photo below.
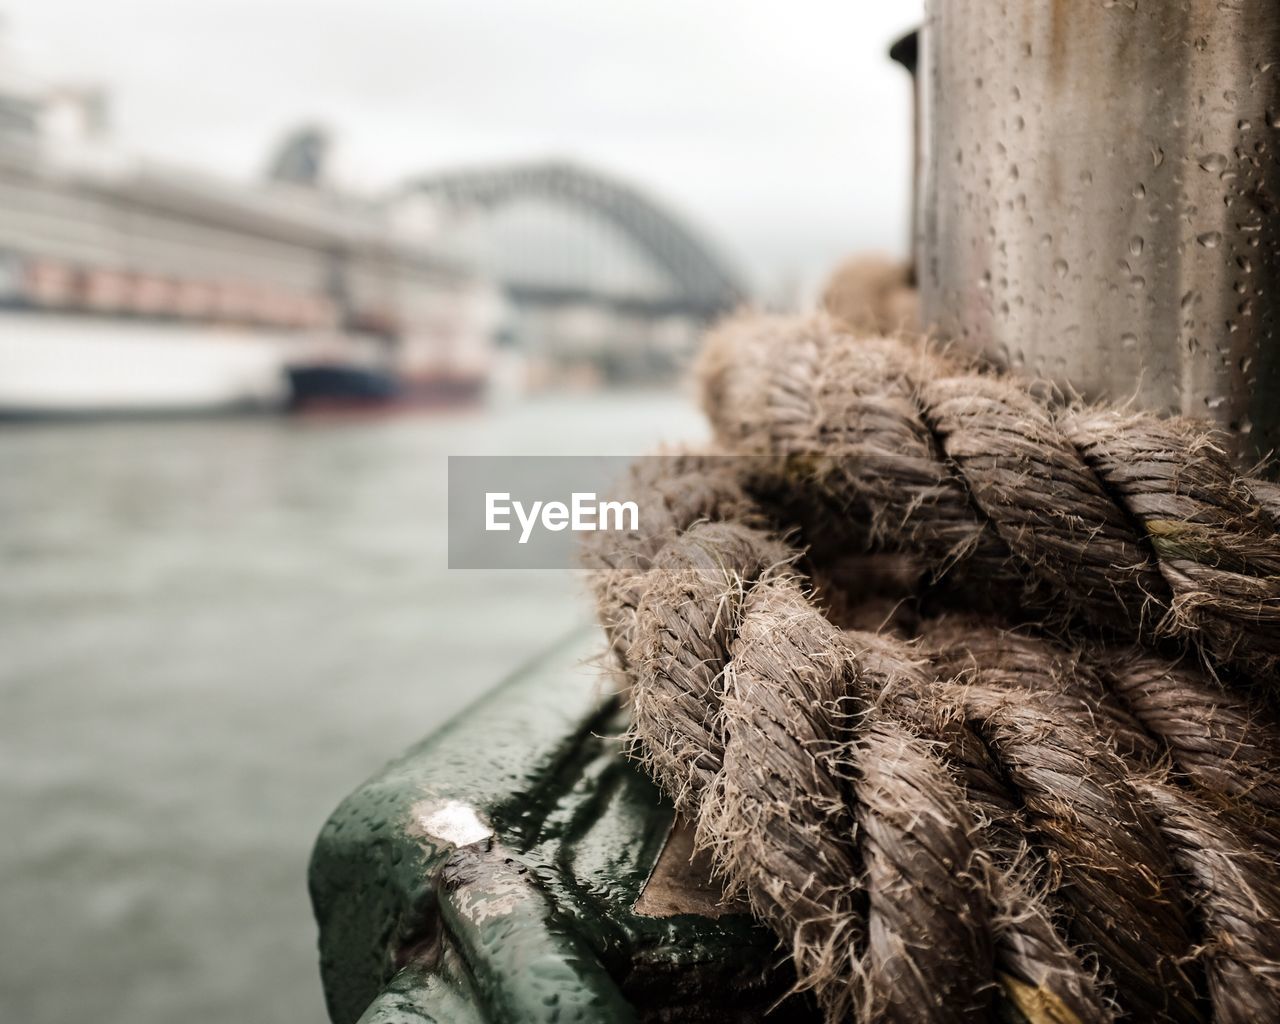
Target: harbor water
(211, 631)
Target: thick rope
(934, 827)
(789, 685)
(867, 917)
(1225, 747)
(1229, 875)
(873, 295)
(1130, 521)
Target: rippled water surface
(209, 633)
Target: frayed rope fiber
(1045, 787)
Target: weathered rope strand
(929, 826)
(1128, 520)
(864, 919)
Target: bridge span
(678, 272)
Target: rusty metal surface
(1098, 197)
(682, 881)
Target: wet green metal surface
(532, 923)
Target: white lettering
(492, 510)
(526, 523)
(555, 516)
(583, 514)
(618, 508)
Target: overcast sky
(781, 128)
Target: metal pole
(1100, 198)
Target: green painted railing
(491, 874)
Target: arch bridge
(699, 281)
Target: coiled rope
(948, 819)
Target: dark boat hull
(352, 388)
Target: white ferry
(130, 288)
